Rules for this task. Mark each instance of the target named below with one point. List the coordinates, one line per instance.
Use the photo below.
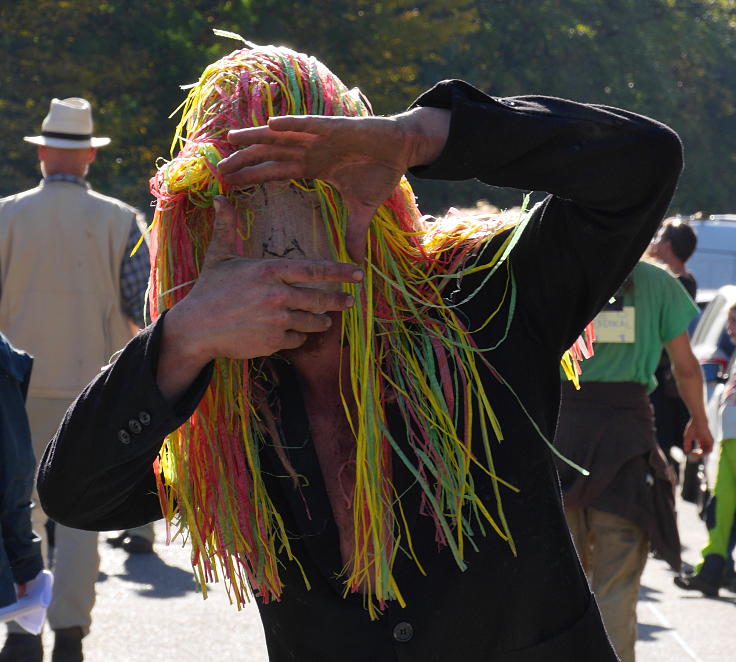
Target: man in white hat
(71, 296)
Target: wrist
(699, 419)
(426, 131)
(181, 356)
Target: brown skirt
(608, 429)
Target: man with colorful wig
(355, 402)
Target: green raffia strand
(399, 338)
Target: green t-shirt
(629, 342)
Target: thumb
(222, 242)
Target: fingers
(697, 440)
(238, 172)
(287, 129)
(253, 136)
(224, 232)
(706, 444)
(273, 152)
(292, 340)
(302, 324)
(318, 300)
(260, 153)
(701, 432)
(688, 441)
(305, 322)
(691, 448)
(316, 124)
(312, 271)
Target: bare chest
(335, 447)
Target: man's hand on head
(363, 157)
(242, 308)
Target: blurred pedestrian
(672, 246)
(20, 547)
(71, 297)
(716, 557)
(626, 503)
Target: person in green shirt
(626, 504)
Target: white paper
(30, 610)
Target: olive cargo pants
(613, 552)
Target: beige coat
(61, 247)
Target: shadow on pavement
(649, 632)
(696, 595)
(648, 594)
(160, 580)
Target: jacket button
(403, 632)
(134, 426)
(144, 417)
(124, 436)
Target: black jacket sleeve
(610, 173)
(20, 548)
(97, 471)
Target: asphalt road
(148, 610)
(683, 626)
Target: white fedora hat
(68, 126)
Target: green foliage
(380, 47)
(672, 59)
(127, 58)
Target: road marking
(670, 628)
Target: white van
(710, 342)
(714, 261)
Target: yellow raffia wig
(404, 344)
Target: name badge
(616, 326)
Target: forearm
(611, 175)
(603, 158)
(690, 386)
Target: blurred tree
(127, 58)
(672, 59)
(380, 47)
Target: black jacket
(611, 175)
(20, 548)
